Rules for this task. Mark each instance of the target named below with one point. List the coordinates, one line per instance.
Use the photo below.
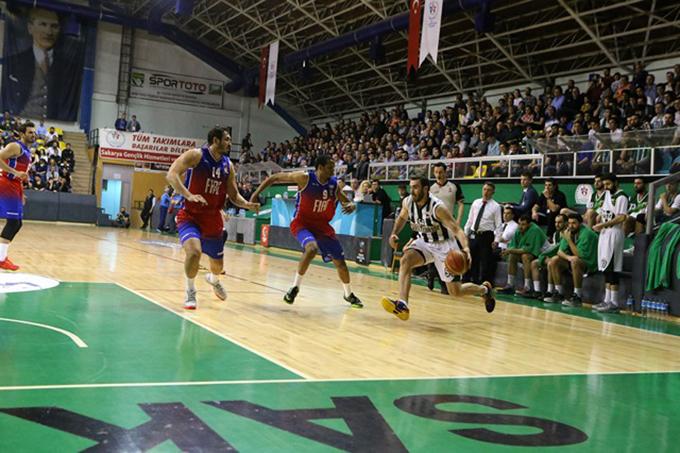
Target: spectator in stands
(668, 204)
(362, 168)
(539, 266)
(379, 195)
(64, 184)
(529, 242)
(8, 122)
(483, 220)
(52, 173)
(164, 206)
(549, 205)
(133, 125)
(123, 219)
(147, 208)
(246, 143)
(529, 196)
(41, 130)
(577, 253)
(363, 193)
(68, 157)
(52, 136)
(121, 123)
(612, 215)
(38, 183)
(637, 208)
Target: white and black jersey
(424, 221)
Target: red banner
(264, 63)
(415, 13)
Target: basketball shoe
(290, 296)
(398, 308)
(190, 300)
(489, 301)
(354, 300)
(218, 289)
(8, 265)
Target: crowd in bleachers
(612, 104)
(53, 160)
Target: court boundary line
(219, 334)
(321, 381)
(74, 338)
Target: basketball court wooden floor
(108, 360)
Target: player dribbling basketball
(437, 233)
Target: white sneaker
(218, 289)
(190, 300)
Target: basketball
(456, 262)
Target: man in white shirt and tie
(483, 220)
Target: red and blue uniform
(314, 209)
(204, 222)
(12, 188)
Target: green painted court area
(129, 339)
(132, 390)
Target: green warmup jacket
(586, 244)
(531, 242)
(660, 255)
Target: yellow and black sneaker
(354, 301)
(398, 308)
(290, 296)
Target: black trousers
(482, 268)
(145, 215)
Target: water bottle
(644, 306)
(630, 304)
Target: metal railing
(651, 198)
(633, 162)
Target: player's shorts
(329, 245)
(206, 227)
(11, 199)
(435, 252)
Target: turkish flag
(415, 13)
(264, 63)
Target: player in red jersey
(15, 158)
(318, 194)
(209, 179)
